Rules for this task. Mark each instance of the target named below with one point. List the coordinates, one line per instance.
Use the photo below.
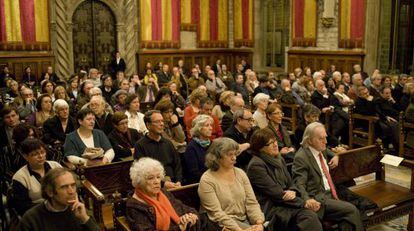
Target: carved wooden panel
(203, 57)
(316, 60)
(94, 35)
(18, 61)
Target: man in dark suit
(397, 92)
(117, 64)
(164, 75)
(236, 103)
(313, 181)
(56, 128)
(4, 75)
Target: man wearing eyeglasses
(241, 131)
(155, 146)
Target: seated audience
(122, 138)
(28, 77)
(342, 97)
(263, 87)
(77, 142)
(43, 111)
(134, 84)
(118, 100)
(225, 191)
(408, 92)
(60, 93)
(241, 131)
(61, 209)
(224, 104)
(11, 119)
(135, 118)
(206, 105)
(149, 75)
(214, 85)
(195, 80)
(193, 109)
(236, 103)
(72, 88)
(274, 187)
(164, 77)
(176, 97)
(195, 153)
(314, 183)
(280, 134)
(56, 128)
(155, 146)
(239, 87)
(261, 101)
(13, 91)
(397, 92)
(48, 87)
(27, 104)
(172, 128)
(251, 81)
(226, 76)
(287, 95)
(83, 95)
(148, 92)
(102, 117)
(26, 181)
(107, 87)
(153, 208)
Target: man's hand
(289, 195)
(174, 119)
(390, 119)
(105, 160)
(313, 205)
(78, 208)
(334, 162)
(244, 147)
(285, 150)
(171, 185)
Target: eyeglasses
(272, 142)
(251, 120)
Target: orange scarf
(164, 211)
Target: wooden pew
(404, 128)
(187, 194)
(393, 200)
(100, 182)
(359, 135)
(291, 117)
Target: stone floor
(400, 176)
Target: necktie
(328, 177)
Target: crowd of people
(220, 129)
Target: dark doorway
(94, 35)
(402, 40)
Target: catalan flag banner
(24, 25)
(243, 23)
(160, 23)
(304, 13)
(212, 30)
(351, 23)
(190, 14)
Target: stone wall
(385, 36)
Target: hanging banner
(351, 23)
(243, 23)
(190, 14)
(304, 14)
(212, 28)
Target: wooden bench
(291, 116)
(187, 194)
(404, 128)
(361, 129)
(100, 182)
(393, 200)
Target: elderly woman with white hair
(56, 128)
(261, 101)
(154, 208)
(194, 156)
(225, 191)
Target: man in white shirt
(312, 178)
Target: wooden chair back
(358, 162)
(291, 116)
(361, 129)
(404, 128)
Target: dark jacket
(163, 78)
(115, 67)
(121, 144)
(386, 108)
(141, 216)
(104, 123)
(194, 158)
(53, 131)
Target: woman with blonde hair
(224, 104)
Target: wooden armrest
(292, 106)
(364, 117)
(408, 164)
(92, 191)
(408, 125)
(183, 187)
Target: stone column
(372, 26)
(130, 37)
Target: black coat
(386, 108)
(115, 67)
(53, 131)
(122, 145)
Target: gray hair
(95, 90)
(237, 115)
(142, 167)
(336, 73)
(406, 88)
(220, 147)
(198, 123)
(316, 75)
(310, 133)
(260, 97)
(60, 103)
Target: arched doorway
(94, 35)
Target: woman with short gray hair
(152, 207)
(225, 191)
(261, 101)
(194, 156)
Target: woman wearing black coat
(274, 188)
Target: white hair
(310, 133)
(316, 75)
(60, 103)
(337, 73)
(198, 123)
(260, 97)
(142, 167)
(95, 90)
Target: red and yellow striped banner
(160, 23)
(243, 23)
(304, 13)
(351, 23)
(24, 24)
(190, 14)
(212, 28)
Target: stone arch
(111, 4)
